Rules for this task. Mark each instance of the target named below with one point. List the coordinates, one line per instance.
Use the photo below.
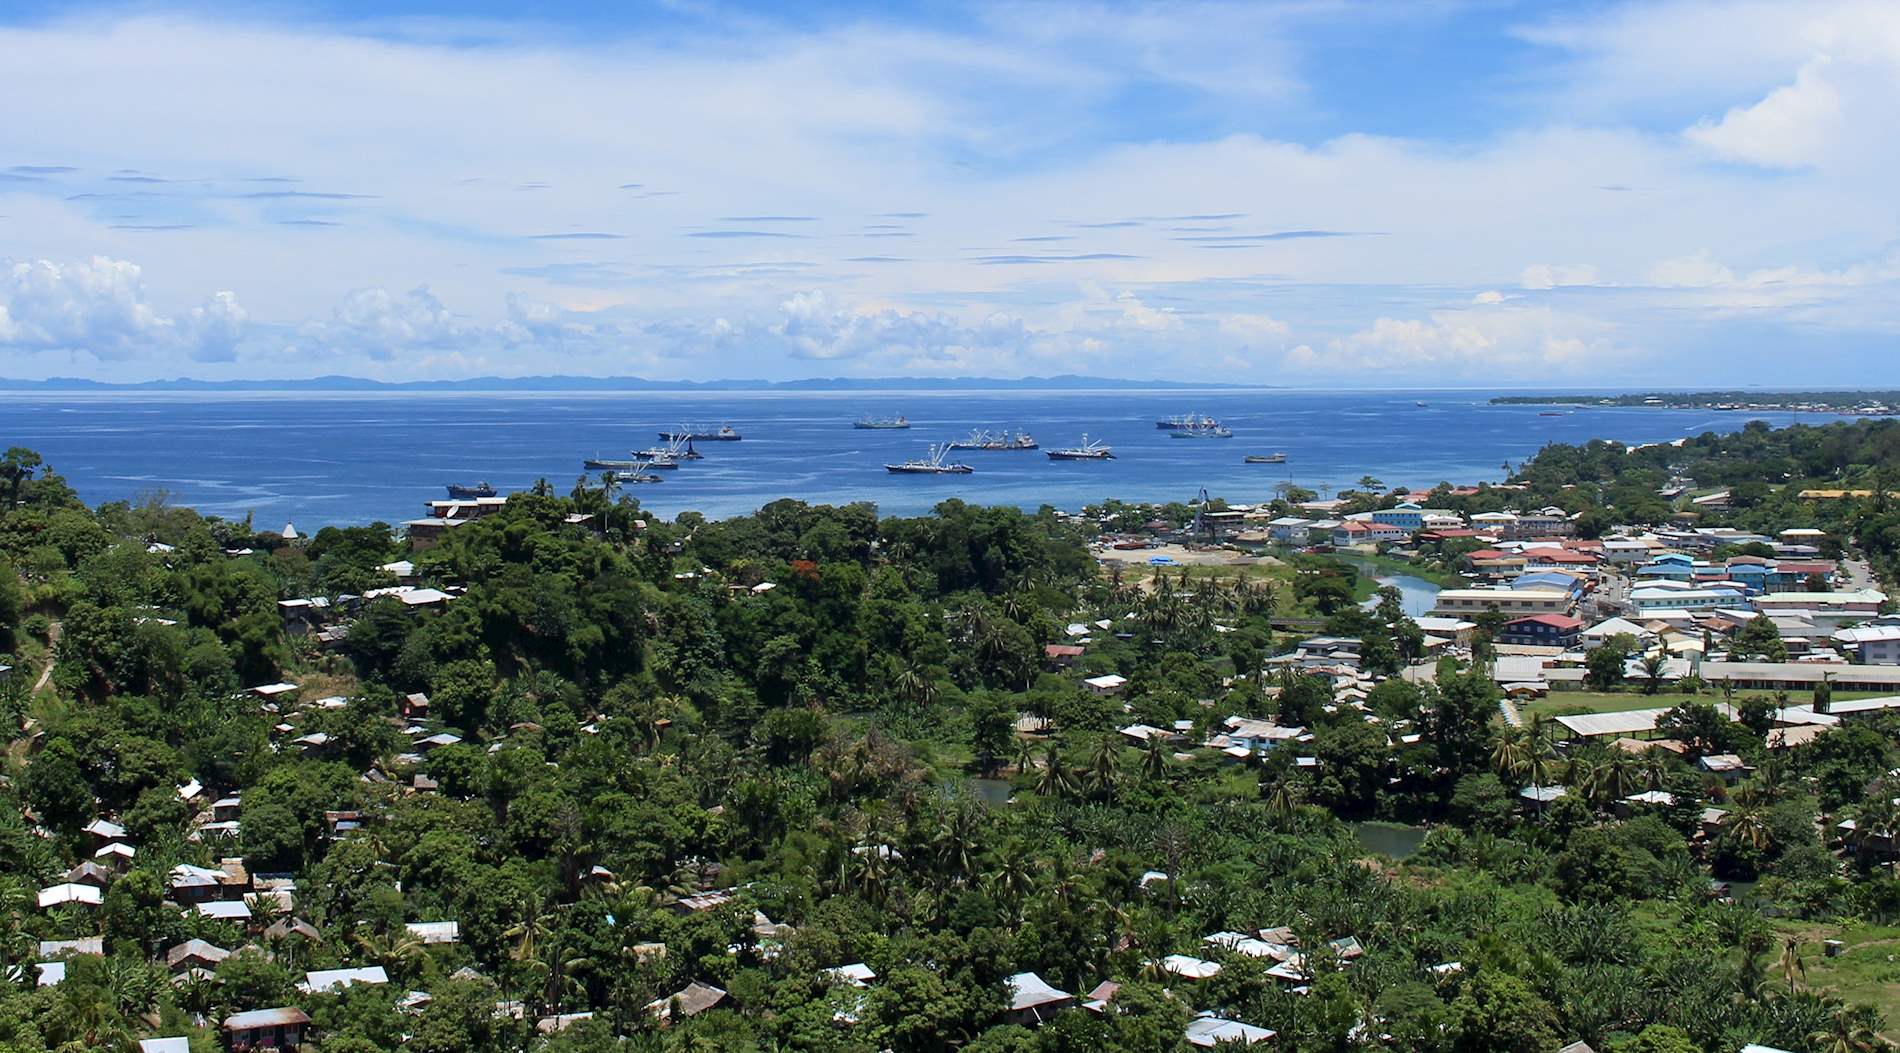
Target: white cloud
(1697, 271)
(1553, 275)
(99, 307)
(1476, 343)
(1793, 126)
(1489, 296)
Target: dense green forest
(629, 718)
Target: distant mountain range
(573, 383)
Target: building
(1542, 630)
(262, 1029)
(1032, 1000)
(1519, 602)
(1877, 644)
(1863, 603)
(1105, 685)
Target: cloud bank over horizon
(1632, 193)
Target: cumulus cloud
(1791, 127)
(812, 327)
(1553, 275)
(1472, 343)
(1697, 271)
(378, 324)
(99, 307)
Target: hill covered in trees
(665, 778)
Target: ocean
(350, 458)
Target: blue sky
(1304, 193)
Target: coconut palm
(1154, 759)
(1102, 773)
(1055, 780)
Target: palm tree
(1654, 664)
(915, 687)
(396, 951)
(1283, 800)
(1849, 1031)
(1154, 760)
(1055, 780)
(1025, 755)
(1510, 752)
(1102, 772)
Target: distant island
(582, 383)
(1872, 403)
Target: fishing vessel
(619, 477)
(724, 433)
(1090, 450)
(1208, 431)
(897, 423)
(1551, 413)
(997, 440)
(932, 463)
(676, 450)
(609, 464)
(1266, 458)
(1187, 421)
(463, 491)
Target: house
(1599, 634)
(689, 1001)
(1188, 967)
(1726, 765)
(1542, 630)
(1208, 1030)
(1456, 630)
(324, 981)
(174, 1044)
(1289, 530)
(435, 932)
(1032, 1000)
(195, 954)
(94, 946)
(1253, 735)
(262, 1029)
(71, 892)
(1061, 656)
(1105, 685)
(225, 910)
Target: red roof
(1056, 650)
(1555, 621)
(1806, 568)
(1488, 553)
(1452, 532)
(1354, 526)
(1558, 555)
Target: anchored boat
(1090, 450)
(1187, 421)
(1266, 458)
(998, 440)
(932, 463)
(463, 491)
(724, 433)
(897, 423)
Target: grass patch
(1867, 972)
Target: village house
(265, 1029)
(1542, 630)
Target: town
(543, 771)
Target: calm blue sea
(356, 458)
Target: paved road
(1859, 574)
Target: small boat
(1090, 450)
(932, 463)
(724, 433)
(1186, 422)
(897, 423)
(1266, 458)
(1552, 413)
(999, 440)
(1214, 431)
(1420, 405)
(632, 477)
(463, 492)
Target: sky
(1311, 193)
